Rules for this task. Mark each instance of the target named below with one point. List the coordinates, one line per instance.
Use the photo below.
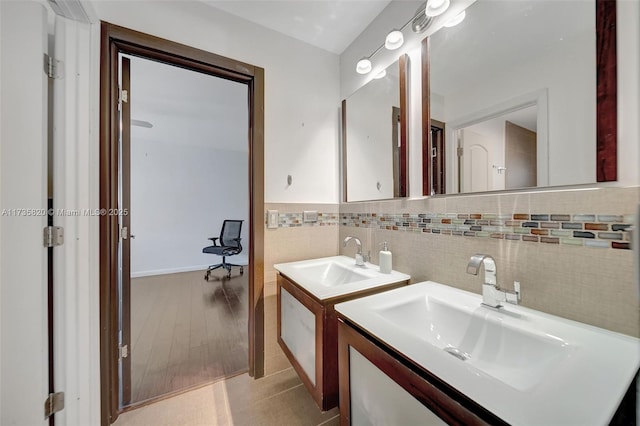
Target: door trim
(115, 40)
(125, 193)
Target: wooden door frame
(115, 40)
(125, 193)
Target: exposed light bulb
(363, 66)
(436, 7)
(456, 19)
(394, 40)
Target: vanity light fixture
(394, 40)
(456, 19)
(436, 7)
(364, 66)
(420, 21)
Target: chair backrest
(230, 230)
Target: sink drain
(457, 353)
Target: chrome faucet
(360, 258)
(492, 295)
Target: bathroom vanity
(307, 322)
(433, 354)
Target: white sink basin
(332, 273)
(334, 276)
(525, 366)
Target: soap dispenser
(385, 259)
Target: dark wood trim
(344, 150)
(108, 197)
(256, 224)
(607, 85)
(404, 125)
(329, 358)
(50, 313)
(126, 221)
(447, 403)
(426, 118)
(115, 40)
(141, 44)
(344, 367)
(439, 163)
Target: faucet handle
(515, 296)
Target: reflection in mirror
(489, 146)
(375, 137)
(516, 87)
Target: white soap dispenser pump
(385, 259)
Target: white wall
(173, 214)
(189, 171)
(301, 89)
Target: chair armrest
(214, 239)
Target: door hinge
(124, 96)
(52, 67)
(124, 233)
(460, 151)
(123, 351)
(53, 236)
(53, 404)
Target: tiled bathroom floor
(278, 399)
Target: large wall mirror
(521, 94)
(374, 137)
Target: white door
(475, 161)
(30, 172)
(23, 202)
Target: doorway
(117, 41)
(184, 168)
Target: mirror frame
(606, 99)
(403, 62)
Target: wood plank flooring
(186, 331)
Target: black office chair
(229, 246)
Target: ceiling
(331, 25)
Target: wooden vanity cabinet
(322, 383)
(441, 400)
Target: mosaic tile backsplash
(589, 230)
(290, 220)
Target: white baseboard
(140, 274)
(238, 260)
